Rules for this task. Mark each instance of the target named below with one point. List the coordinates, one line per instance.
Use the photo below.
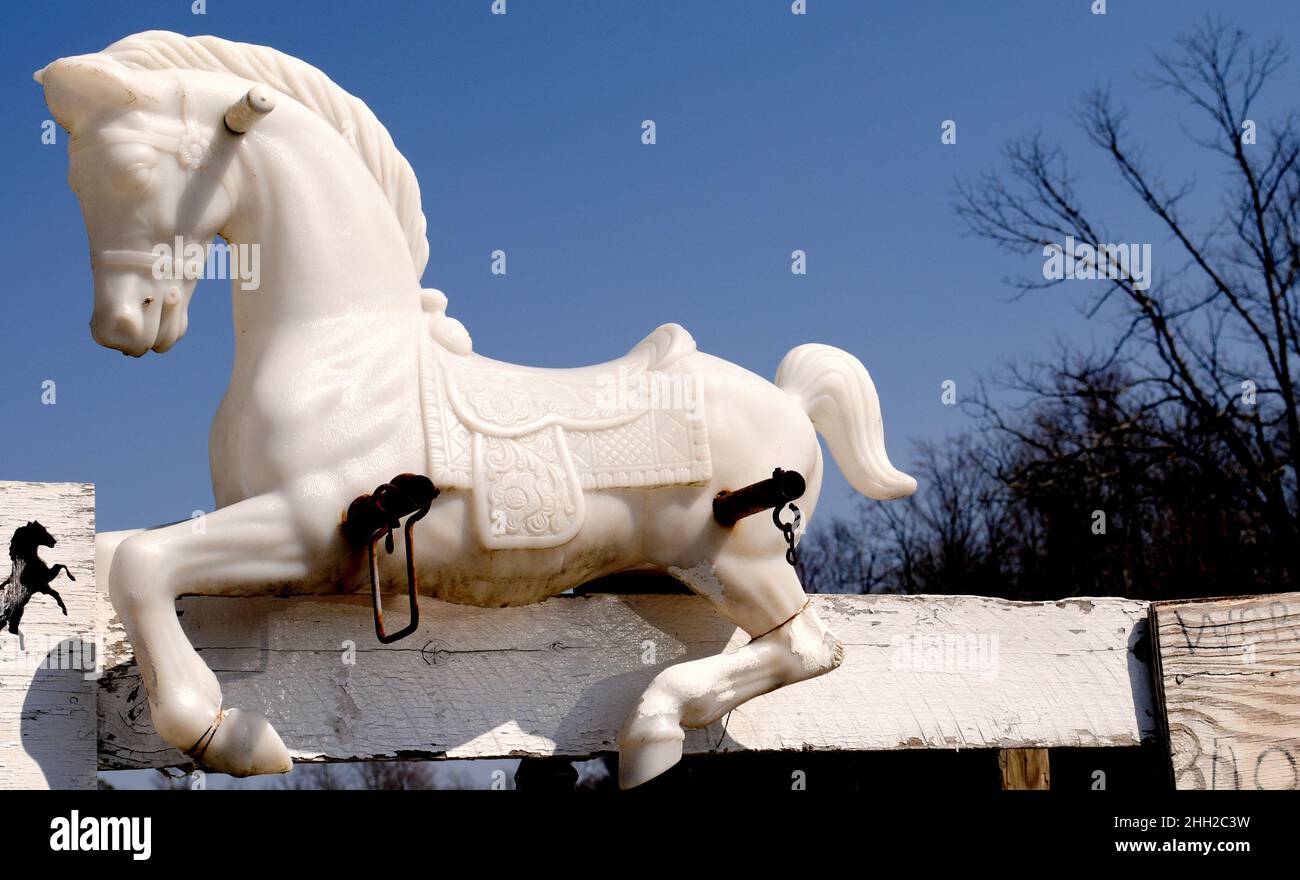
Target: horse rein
(192, 150)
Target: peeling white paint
(815, 646)
(702, 578)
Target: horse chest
(292, 416)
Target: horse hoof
(246, 744)
(648, 747)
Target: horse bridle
(192, 150)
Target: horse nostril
(126, 323)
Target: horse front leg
(53, 593)
(247, 548)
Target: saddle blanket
(527, 442)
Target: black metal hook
(377, 515)
(730, 508)
(788, 530)
(775, 492)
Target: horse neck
(333, 259)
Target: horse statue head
(144, 157)
(163, 159)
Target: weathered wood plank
(558, 678)
(1229, 678)
(1025, 769)
(47, 678)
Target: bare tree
(1164, 464)
(1073, 493)
(319, 777)
(1206, 347)
(949, 538)
(367, 775)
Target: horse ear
(77, 87)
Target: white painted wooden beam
(47, 678)
(558, 678)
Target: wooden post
(48, 685)
(1228, 684)
(1025, 769)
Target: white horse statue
(347, 373)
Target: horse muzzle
(135, 312)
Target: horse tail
(836, 392)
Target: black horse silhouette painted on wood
(29, 575)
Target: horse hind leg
(786, 648)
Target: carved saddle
(527, 441)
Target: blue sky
(819, 132)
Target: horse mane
(20, 540)
(346, 114)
